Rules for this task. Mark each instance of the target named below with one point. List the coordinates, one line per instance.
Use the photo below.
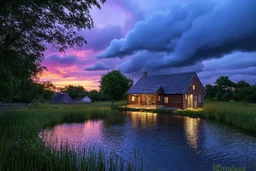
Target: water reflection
(143, 119)
(73, 134)
(191, 126)
(166, 142)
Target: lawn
(22, 149)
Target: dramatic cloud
(192, 33)
(98, 66)
(55, 60)
(99, 38)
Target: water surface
(165, 142)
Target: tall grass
(240, 115)
(22, 149)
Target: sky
(210, 37)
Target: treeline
(32, 91)
(226, 90)
(80, 92)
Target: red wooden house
(179, 90)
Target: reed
(22, 149)
(240, 115)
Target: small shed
(86, 100)
(61, 98)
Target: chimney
(145, 74)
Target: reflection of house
(179, 90)
(61, 98)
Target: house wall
(174, 101)
(198, 90)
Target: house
(61, 98)
(178, 90)
(86, 100)
(77, 100)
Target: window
(159, 98)
(200, 98)
(194, 87)
(166, 100)
(186, 97)
(133, 98)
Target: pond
(165, 142)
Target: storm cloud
(187, 34)
(98, 66)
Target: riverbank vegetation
(240, 115)
(22, 149)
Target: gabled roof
(176, 83)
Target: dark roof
(61, 98)
(176, 83)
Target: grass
(240, 115)
(22, 149)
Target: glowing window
(133, 98)
(194, 87)
(159, 98)
(166, 100)
(186, 97)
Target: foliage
(22, 149)
(27, 28)
(226, 90)
(75, 91)
(113, 85)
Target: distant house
(82, 100)
(77, 100)
(86, 100)
(179, 90)
(61, 98)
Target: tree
(27, 27)
(113, 85)
(242, 84)
(211, 92)
(75, 91)
(224, 82)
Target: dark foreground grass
(22, 149)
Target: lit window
(199, 98)
(133, 98)
(186, 97)
(166, 100)
(194, 87)
(159, 98)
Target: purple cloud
(98, 66)
(192, 33)
(54, 60)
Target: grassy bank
(240, 115)
(22, 149)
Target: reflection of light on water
(143, 118)
(72, 134)
(191, 130)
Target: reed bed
(22, 149)
(240, 115)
